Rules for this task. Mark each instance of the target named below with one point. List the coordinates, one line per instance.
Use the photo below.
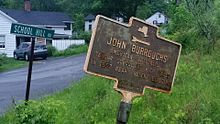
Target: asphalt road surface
(48, 76)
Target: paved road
(48, 77)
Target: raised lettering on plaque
(133, 55)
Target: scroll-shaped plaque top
(133, 55)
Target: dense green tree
(45, 5)
(12, 4)
(144, 11)
(217, 11)
(181, 28)
(181, 19)
(130, 7)
(189, 20)
(150, 7)
(159, 5)
(117, 8)
(206, 22)
(41, 5)
(2, 3)
(78, 23)
(76, 6)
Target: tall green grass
(10, 63)
(72, 50)
(195, 99)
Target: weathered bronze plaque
(132, 54)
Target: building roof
(89, 17)
(156, 14)
(37, 17)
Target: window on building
(90, 27)
(159, 15)
(155, 22)
(90, 21)
(2, 41)
(68, 26)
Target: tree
(117, 8)
(12, 4)
(159, 5)
(181, 28)
(45, 5)
(150, 7)
(130, 8)
(78, 23)
(204, 14)
(144, 11)
(2, 3)
(182, 20)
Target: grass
(72, 50)
(195, 99)
(10, 63)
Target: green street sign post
(30, 31)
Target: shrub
(86, 36)
(51, 50)
(2, 59)
(45, 112)
(74, 46)
(189, 40)
(72, 50)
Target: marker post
(30, 70)
(133, 55)
(123, 112)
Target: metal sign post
(125, 107)
(30, 69)
(123, 112)
(134, 56)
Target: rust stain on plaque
(133, 55)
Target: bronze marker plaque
(132, 54)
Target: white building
(157, 19)
(89, 22)
(60, 22)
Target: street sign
(133, 55)
(31, 31)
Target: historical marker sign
(31, 31)
(132, 54)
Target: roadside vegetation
(10, 63)
(71, 50)
(195, 99)
(196, 92)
